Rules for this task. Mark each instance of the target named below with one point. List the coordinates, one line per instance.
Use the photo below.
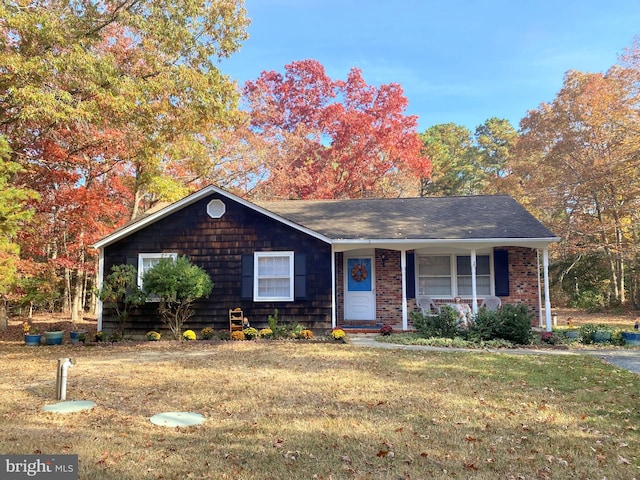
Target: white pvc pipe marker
(61, 377)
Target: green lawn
(299, 409)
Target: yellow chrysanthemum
(237, 335)
(338, 334)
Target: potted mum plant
(77, 335)
(338, 335)
(572, 332)
(386, 330)
(31, 334)
(632, 337)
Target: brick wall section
(523, 278)
(388, 287)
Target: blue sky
(457, 61)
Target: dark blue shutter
(411, 275)
(246, 291)
(300, 276)
(501, 271)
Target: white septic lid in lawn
(177, 419)
(69, 407)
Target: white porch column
(474, 289)
(540, 322)
(334, 306)
(403, 269)
(99, 307)
(547, 300)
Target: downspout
(474, 288)
(547, 300)
(334, 322)
(403, 269)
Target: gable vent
(215, 208)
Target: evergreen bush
(444, 325)
(511, 322)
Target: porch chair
(491, 303)
(427, 305)
(236, 320)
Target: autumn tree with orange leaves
(108, 106)
(333, 138)
(577, 167)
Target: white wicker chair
(491, 303)
(427, 305)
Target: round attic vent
(215, 208)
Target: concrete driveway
(626, 359)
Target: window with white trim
(450, 275)
(273, 276)
(434, 275)
(483, 275)
(146, 261)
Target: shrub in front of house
(515, 324)
(207, 333)
(443, 325)
(295, 330)
(587, 332)
(511, 322)
(121, 293)
(282, 330)
(178, 284)
(485, 325)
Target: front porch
(395, 277)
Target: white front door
(359, 295)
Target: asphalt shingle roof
(461, 218)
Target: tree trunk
(137, 198)
(66, 296)
(93, 289)
(76, 302)
(4, 315)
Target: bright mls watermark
(49, 467)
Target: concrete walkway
(625, 359)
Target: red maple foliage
(333, 138)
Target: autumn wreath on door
(359, 272)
